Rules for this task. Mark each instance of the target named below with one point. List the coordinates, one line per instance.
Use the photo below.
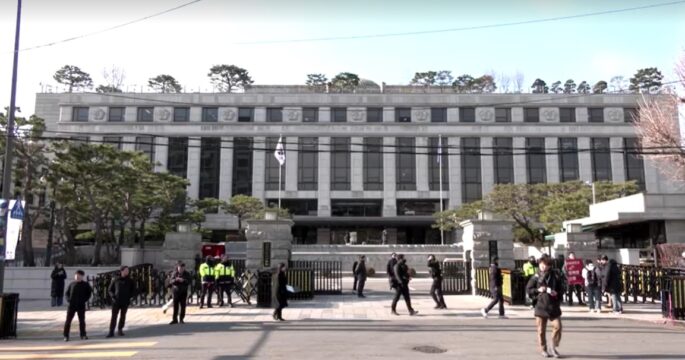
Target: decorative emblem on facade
(549, 115)
(293, 115)
(486, 114)
(357, 115)
(164, 115)
(229, 115)
(99, 114)
(614, 115)
(422, 115)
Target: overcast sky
(187, 42)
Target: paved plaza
(346, 327)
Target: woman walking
(281, 292)
(58, 277)
(547, 288)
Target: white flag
(440, 150)
(280, 152)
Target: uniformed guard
(207, 278)
(225, 275)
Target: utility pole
(9, 146)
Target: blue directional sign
(17, 211)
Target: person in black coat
(390, 270)
(436, 287)
(58, 277)
(495, 277)
(121, 290)
(402, 278)
(360, 276)
(612, 283)
(281, 292)
(78, 293)
(548, 289)
(354, 275)
(179, 281)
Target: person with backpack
(547, 287)
(593, 286)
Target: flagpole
(280, 171)
(442, 233)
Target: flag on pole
(440, 150)
(280, 152)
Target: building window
(210, 156)
(310, 115)
(300, 207)
(373, 164)
(503, 115)
(417, 207)
(116, 114)
(177, 164)
(567, 115)
(467, 114)
(339, 114)
(210, 114)
(470, 170)
(438, 158)
(146, 145)
(374, 115)
(274, 115)
(531, 115)
(503, 161)
(634, 165)
(601, 159)
(340, 164)
(536, 162)
(242, 166)
(80, 114)
(273, 166)
(405, 164)
(568, 159)
(402, 115)
(145, 114)
(595, 115)
(245, 114)
(79, 140)
(114, 141)
(630, 115)
(181, 114)
(438, 115)
(308, 163)
(356, 207)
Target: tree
(504, 82)
(658, 130)
(584, 88)
(555, 88)
(450, 220)
(114, 79)
(518, 81)
(243, 207)
(344, 82)
(165, 84)
(600, 87)
(444, 78)
(426, 78)
(647, 80)
(463, 83)
(316, 80)
(199, 208)
(484, 84)
(540, 87)
(107, 89)
(228, 78)
(569, 86)
(617, 84)
(73, 77)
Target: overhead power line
(82, 36)
(465, 28)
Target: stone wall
(276, 232)
(34, 283)
(180, 246)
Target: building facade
(364, 166)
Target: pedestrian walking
(58, 276)
(360, 276)
(547, 287)
(78, 293)
(436, 286)
(573, 269)
(390, 270)
(495, 277)
(121, 290)
(402, 278)
(207, 277)
(593, 286)
(180, 280)
(612, 284)
(281, 292)
(354, 275)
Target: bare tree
(518, 81)
(114, 76)
(504, 80)
(658, 130)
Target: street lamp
(594, 196)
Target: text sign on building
(266, 254)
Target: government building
(364, 166)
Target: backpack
(592, 280)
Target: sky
(255, 35)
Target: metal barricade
(9, 308)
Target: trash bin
(9, 307)
(264, 289)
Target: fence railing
(456, 277)
(327, 275)
(513, 285)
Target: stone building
(362, 166)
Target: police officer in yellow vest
(208, 278)
(530, 268)
(225, 275)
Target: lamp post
(594, 194)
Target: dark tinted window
(310, 114)
(470, 170)
(568, 159)
(531, 115)
(630, 115)
(536, 162)
(503, 161)
(80, 114)
(340, 164)
(210, 114)
(502, 115)
(405, 164)
(356, 207)
(177, 164)
(181, 114)
(417, 207)
(308, 163)
(146, 145)
(634, 165)
(601, 159)
(116, 114)
(245, 114)
(467, 114)
(274, 115)
(373, 164)
(567, 115)
(374, 115)
(438, 158)
(145, 114)
(242, 166)
(403, 115)
(210, 158)
(339, 114)
(273, 166)
(439, 115)
(595, 115)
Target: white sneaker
(484, 313)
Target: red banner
(574, 271)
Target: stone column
(388, 114)
(389, 181)
(180, 247)
(454, 151)
(258, 168)
(618, 170)
(582, 115)
(195, 114)
(324, 185)
(259, 114)
(226, 169)
(193, 174)
(291, 163)
(552, 159)
(422, 159)
(517, 114)
(477, 235)
(324, 114)
(357, 164)
(277, 233)
(520, 166)
(161, 153)
(487, 167)
(584, 159)
(452, 115)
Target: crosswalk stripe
(80, 355)
(100, 346)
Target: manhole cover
(429, 349)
